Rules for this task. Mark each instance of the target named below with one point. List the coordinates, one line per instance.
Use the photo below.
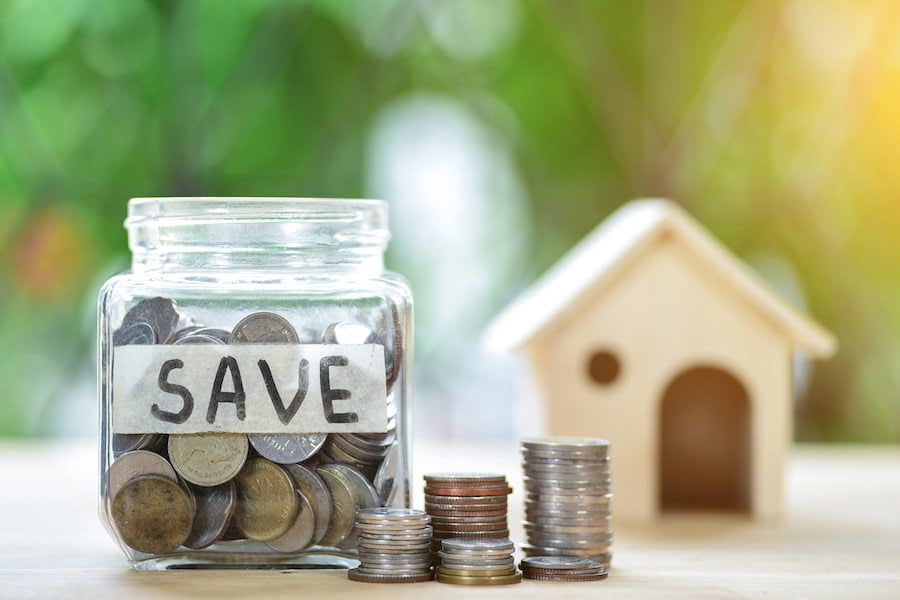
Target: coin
(208, 459)
(462, 479)
(264, 328)
(287, 448)
(267, 501)
(135, 463)
(481, 546)
(212, 513)
(481, 580)
(355, 575)
(567, 444)
(126, 442)
(566, 577)
(152, 514)
(159, 313)
(350, 333)
(471, 572)
(198, 338)
(141, 334)
(301, 534)
(350, 491)
(315, 490)
(558, 562)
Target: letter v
(286, 414)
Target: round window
(603, 367)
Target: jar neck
(263, 236)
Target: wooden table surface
(840, 538)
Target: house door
(704, 446)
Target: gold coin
(487, 580)
(266, 500)
(343, 508)
(208, 459)
(152, 514)
(475, 572)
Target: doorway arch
(704, 442)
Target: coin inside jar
(300, 535)
(152, 514)
(212, 513)
(264, 328)
(135, 463)
(350, 491)
(287, 448)
(267, 501)
(208, 459)
(316, 491)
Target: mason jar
(254, 382)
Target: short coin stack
(466, 505)
(567, 497)
(487, 561)
(394, 546)
(562, 568)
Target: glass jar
(254, 381)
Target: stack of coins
(285, 490)
(466, 505)
(567, 497)
(562, 568)
(394, 546)
(487, 561)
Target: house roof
(611, 246)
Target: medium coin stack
(567, 497)
(197, 490)
(487, 561)
(562, 568)
(394, 546)
(466, 505)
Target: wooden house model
(651, 334)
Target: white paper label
(311, 388)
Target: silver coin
(135, 463)
(372, 570)
(128, 442)
(159, 313)
(488, 545)
(530, 458)
(414, 558)
(183, 332)
(315, 490)
(214, 507)
(603, 500)
(350, 333)
(302, 533)
(287, 448)
(137, 334)
(388, 528)
(458, 562)
(264, 328)
(558, 562)
(380, 514)
(602, 526)
(564, 443)
(197, 339)
(363, 496)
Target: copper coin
(267, 501)
(472, 491)
(152, 514)
(467, 513)
(434, 499)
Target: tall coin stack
(466, 505)
(487, 561)
(394, 546)
(567, 497)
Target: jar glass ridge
(303, 281)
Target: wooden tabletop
(840, 538)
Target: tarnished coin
(287, 448)
(133, 464)
(140, 334)
(159, 313)
(264, 328)
(267, 501)
(567, 578)
(314, 489)
(356, 575)
(208, 459)
(302, 533)
(197, 339)
(479, 572)
(466, 500)
(381, 514)
(212, 514)
(152, 514)
(348, 333)
(488, 546)
(351, 491)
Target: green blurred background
(501, 132)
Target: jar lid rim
(144, 209)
